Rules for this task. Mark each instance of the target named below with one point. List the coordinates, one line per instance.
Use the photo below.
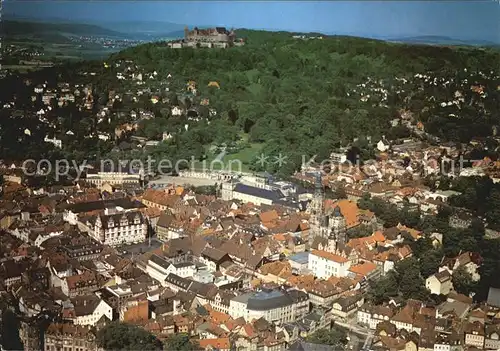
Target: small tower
(186, 32)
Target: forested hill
(296, 97)
(400, 57)
(304, 96)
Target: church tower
(338, 228)
(318, 221)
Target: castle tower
(186, 32)
(338, 228)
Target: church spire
(315, 209)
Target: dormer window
(111, 224)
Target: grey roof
(160, 261)
(301, 257)
(273, 195)
(183, 264)
(126, 217)
(271, 299)
(459, 308)
(494, 297)
(174, 279)
(102, 205)
(242, 298)
(213, 254)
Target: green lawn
(231, 161)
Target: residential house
(299, 262)
(346, 306)
(492, 337)
(159, 268)
(66, 336)
(80, 284)
(218, 344)
(89, 309)
(213, 258)
(439, 283)
(371, 316)
(474, 334)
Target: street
(360, 337)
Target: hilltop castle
(218, 37)
(211, 35)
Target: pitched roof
(329, 256)
(443, 276)
(364, 268)
(217, 344)
(269, 216)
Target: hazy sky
(466, 19)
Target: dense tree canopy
(180, 342)
(334, 337)
(121, 336)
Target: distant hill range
(16, 27)
(58, 28)
(440, 40)
(143, 30)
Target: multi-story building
(89, 309)
(159, 268)
(118, 228)
(59, 337)
(276, 306)
(123, 174)
(80, 284)
(474, 334)
(84, 252)
(325, 264)
(372, 315)
(74, 212)
(492, 340)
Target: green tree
(462, 281)
(180, 342)
(121, 336)
(9, 337)
(429, 262)
(339, 193)
(335, 337)
(360, 231)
